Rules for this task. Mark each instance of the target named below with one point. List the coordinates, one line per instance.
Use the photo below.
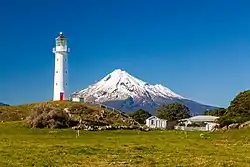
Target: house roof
(202, 118)
(154, 117)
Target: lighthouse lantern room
(61, 69)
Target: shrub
(45, 115)
(241, 119)
(227, 120)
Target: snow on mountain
(2, 104)
(122, 91)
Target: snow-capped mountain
(122, 91)
(2, 104)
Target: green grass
(22, 146)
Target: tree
(216, 112)
(240, 105)
(173, 111)
(140, 116)
(238, 110)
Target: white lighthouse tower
(61, 68)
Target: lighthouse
(61, 69)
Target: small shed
(155, 122)
(77, 99)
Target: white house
(206, 122)
(154, 122)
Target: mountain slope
(2, 104)
(127, 93)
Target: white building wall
(77, 99)
(155, 122)
(210, 126)
(147, 122)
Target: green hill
(19, 112)
(89, 112)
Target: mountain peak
(123, 91)
(121, 76)
(120, 85)
(118, 71)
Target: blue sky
(199, 49)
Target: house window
(152, 122)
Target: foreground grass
(22, 146)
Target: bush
(44, 115)
(225, 121)
(241, 119)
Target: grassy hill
(22, 146)
(19, 112)
(91, 112)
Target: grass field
(22, 146)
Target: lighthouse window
(56, 59)
(56, 71)
(66, 84)
(56, 83)
(66, 71)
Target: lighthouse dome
(61, 36)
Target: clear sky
(198, 49)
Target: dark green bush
(225, 121)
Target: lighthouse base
(59, 97)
